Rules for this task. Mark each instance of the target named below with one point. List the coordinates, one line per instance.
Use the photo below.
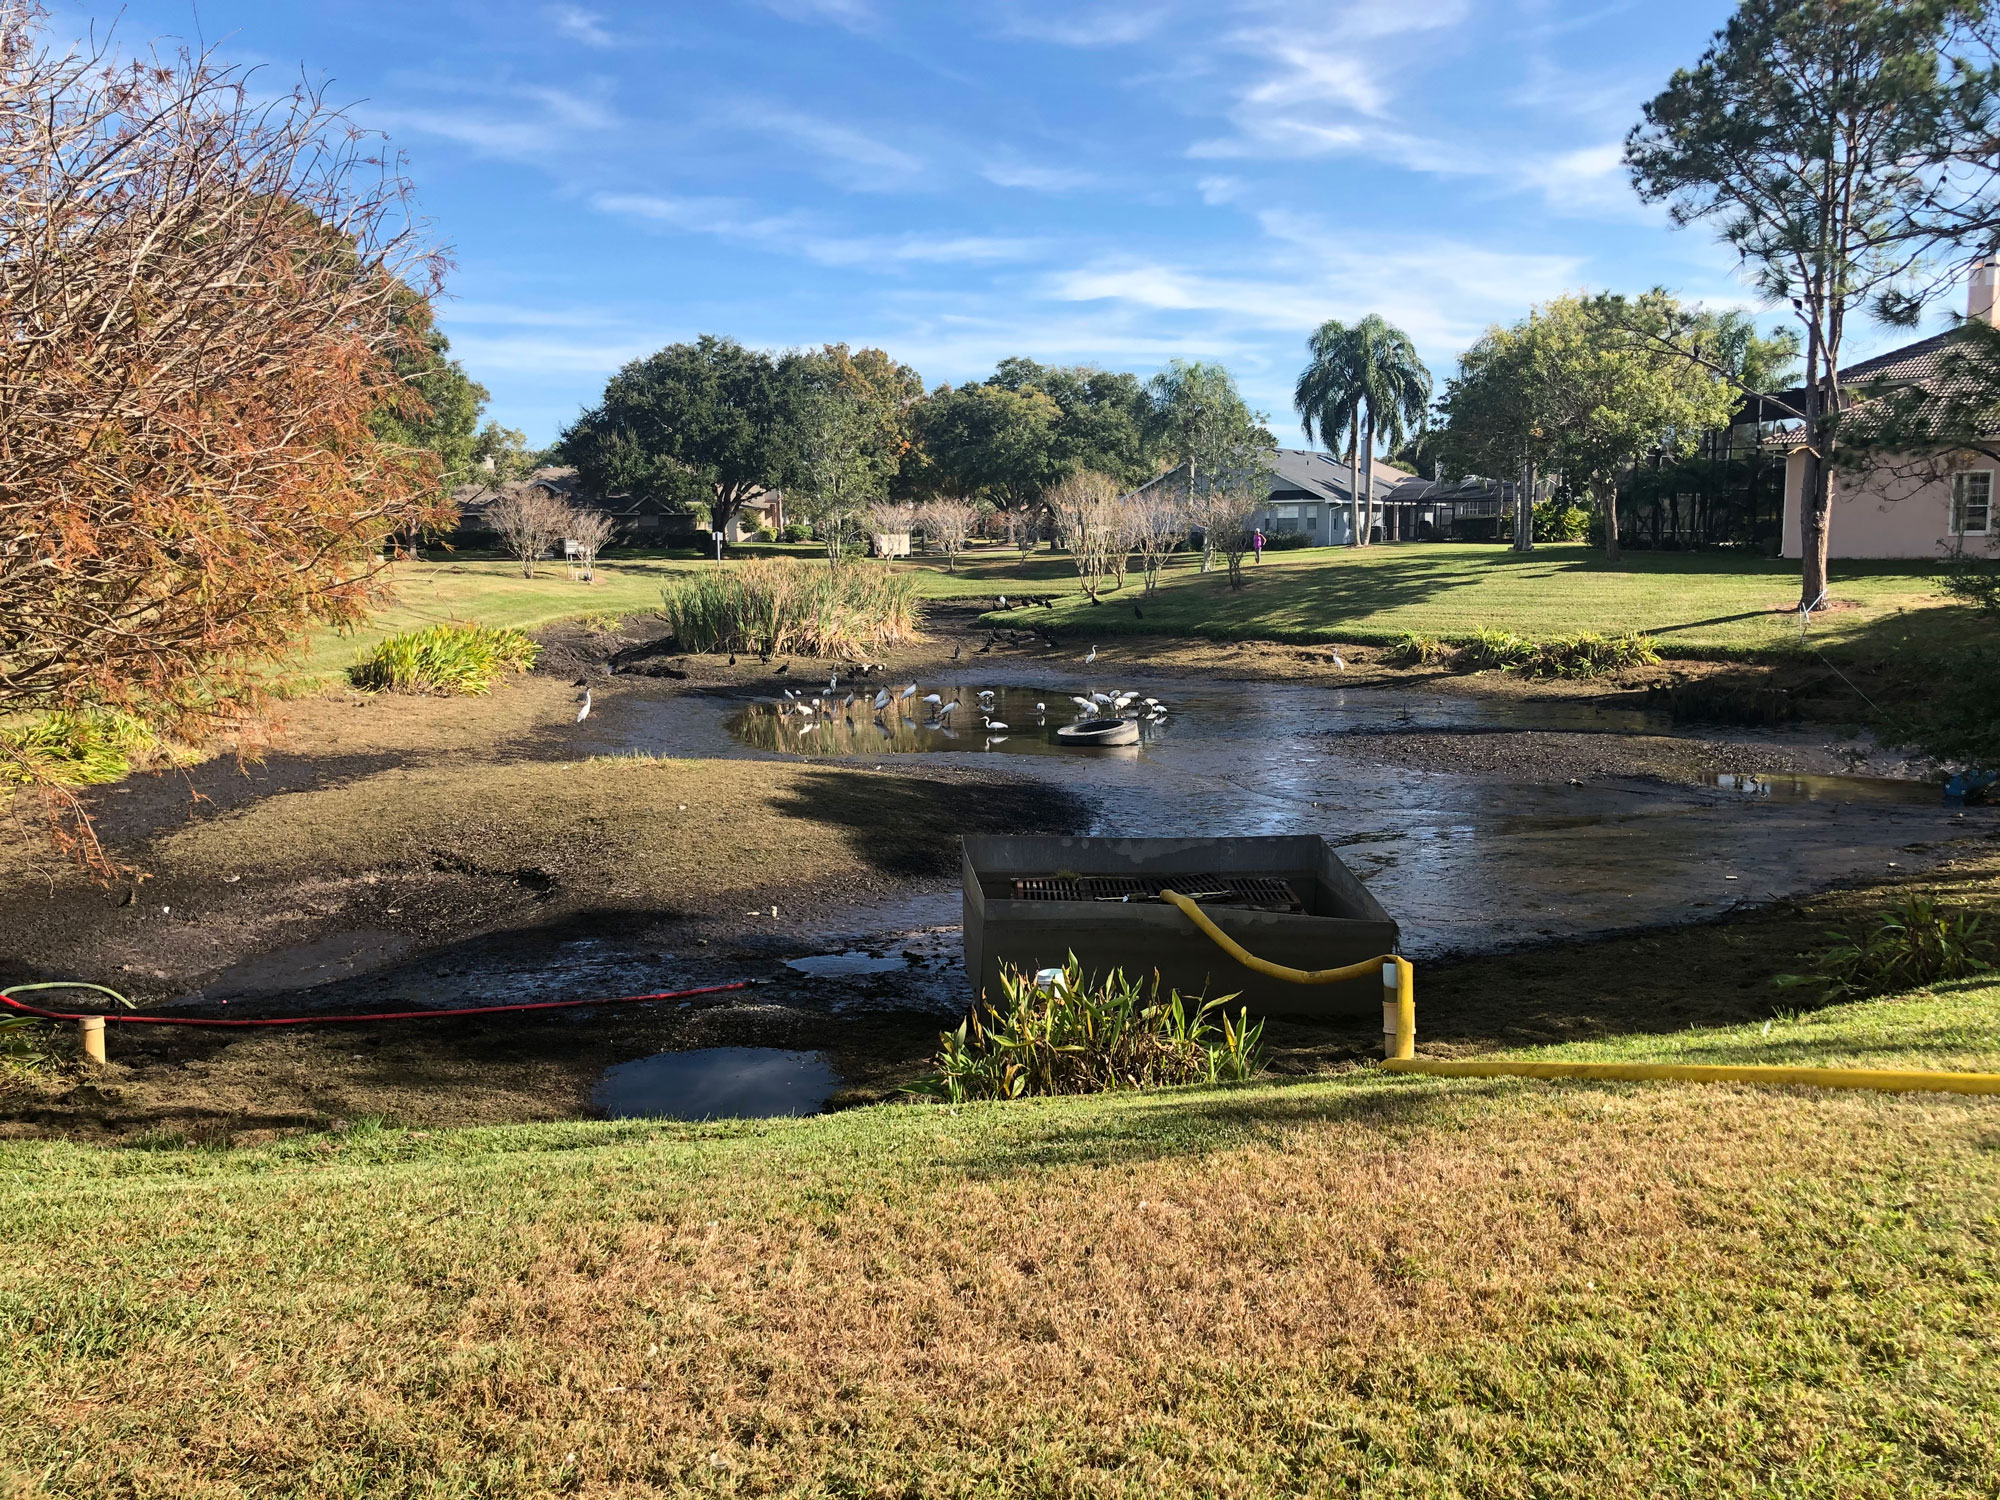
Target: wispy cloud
(581, 25)
(855, 15)
(1040, 179)
(801, 235)
(538, 123)
(1103, 26)
(856, 159)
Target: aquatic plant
(1494, 648)
(788, 605)
(1907, 947)
(1075, 1034)
(1413, 650)
(453, 660)
(1589, 655)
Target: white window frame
(1961, 503)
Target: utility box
(1033, 900)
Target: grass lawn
(1389, 1286)
(1693, 604)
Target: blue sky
(1106, 181)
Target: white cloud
(799, 235)
(538, 124)
(858, 159)
(1013, 174)
(1106, 26)
(581, 25)
(1218, 190)
(855, 15)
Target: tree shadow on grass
(909, 826)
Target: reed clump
(794, 607)
(1590, 655)
(72, 749)
(450, 660)
(1075, 1034)
(1410, 649)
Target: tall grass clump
(1905, 948)
(453, 660)
(1413, 650)
(1490, 649)
(1078, 1035)
(71, 750)
(1590, 655)
(791, 606)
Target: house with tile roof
(1925, 503)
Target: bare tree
(946, 523)
(1157, 522)
(892, 518)
(200, 289)
(528, 520)
(1225, 510)
(1086, 510)
(592, 531)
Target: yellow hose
(1399, 1015)
(1886, 1080)
(1399, 1030)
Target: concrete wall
(1901, 508)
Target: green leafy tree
(851, 423)
(707, 423)
(446, 412)
(1838, 145)
(1496, 417)
(1368, 379)
(1199, 421)
(1101, 423)
(991, 443)
(502, 453)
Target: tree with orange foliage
(199, 296)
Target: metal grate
(1264, 892)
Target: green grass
(1691, 604)
(1365, 1284)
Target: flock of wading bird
(890, 708)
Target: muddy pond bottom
(715, 1083)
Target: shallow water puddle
(716, 1083)
(851, 964)
(1805, 788)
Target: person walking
(1257, 544)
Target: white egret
(584, 712)
(995, 724)
(1338, 662)
(1090, 658)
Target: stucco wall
(1898, 509)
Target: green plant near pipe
(1079, 1034)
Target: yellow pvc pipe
(1399, 985)
(1884, 1080)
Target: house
(643, 523)
(1916, 505)
(762, 511)
(1466, 510)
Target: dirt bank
(1539, 755)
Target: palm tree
(1368, 379)
(1328, 397)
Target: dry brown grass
(1407, 1289)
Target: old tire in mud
(1090, 732)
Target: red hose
(385, 1015)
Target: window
(1972, 503)
(1312, 521)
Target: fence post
(92, 1028)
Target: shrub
(71, 750)
(1287, 541)
(1559, 521)
(446, 659)
(1905, 948)
(776, 605)
(1085, 1036)
(1494, 648)
(796, 531)
(1590, 655)
(1413, 650)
